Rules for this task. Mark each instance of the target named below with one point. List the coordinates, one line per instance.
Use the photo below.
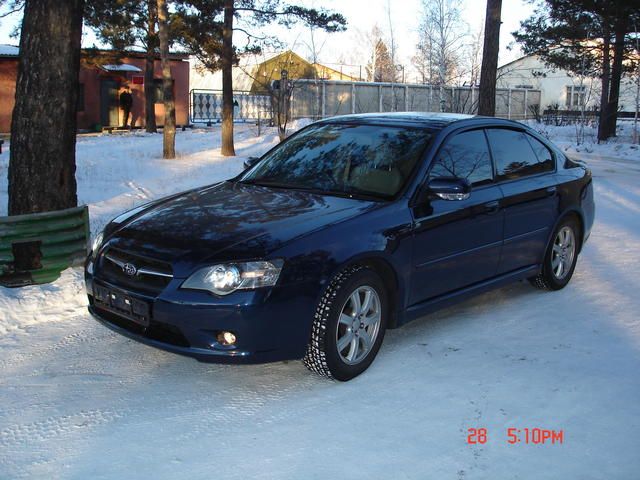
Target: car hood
(229, 221)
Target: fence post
(509, 104)
(353, 97)
(324, 99)
(525, 103)
(406, 98)
(380, 98)
(472, 99)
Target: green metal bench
(56, 239)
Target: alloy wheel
(358, 325)
(564, 250)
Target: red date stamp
(527, 436)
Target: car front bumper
(270, 324)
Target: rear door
(458, 242)
(525, 172)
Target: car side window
(466, 155)
(545, 157)
(515, 156)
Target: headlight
(97, 243)
(226, 278)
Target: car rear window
(514, 155)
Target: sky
(361, 16)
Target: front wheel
(349, 325)
(560, 258)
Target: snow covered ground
(566, 137)
(78, 401)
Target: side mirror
(250, 162)
(449, 188)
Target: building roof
(13, 51)
(516, 60)
(9, 51)
(123, 67)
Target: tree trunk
(604, 95)
(169, 129)
(42, 161)
(227, 80)
(616, 75)
(149, 90)
(487, 92)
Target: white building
(558, 87)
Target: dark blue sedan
(351, 226)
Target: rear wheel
(560, 258)
(349, 325)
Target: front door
(109, 111)
(458, 242)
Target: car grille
(150, 277)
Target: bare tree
(487, 94)
(169, 129)
(392, 38)
(278, 83)
(443, 32)
(473, 55)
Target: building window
(80, 102)
(575, 96)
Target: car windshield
(343, 159)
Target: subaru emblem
(130, 269)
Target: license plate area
(122, 304)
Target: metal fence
(59, 238)
(326, 98)
(205, 106)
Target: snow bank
(566, 136)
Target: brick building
(102, 77)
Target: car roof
(430, 120)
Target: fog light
(226, 338)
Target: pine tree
(169, 127)
(578, 36)
(43, 128)
(488, 72)
(381, 67)
(211, 40)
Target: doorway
(109, 109)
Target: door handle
(491, 207)
(551, 191)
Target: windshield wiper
(352, 192)
(268, 183)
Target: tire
(553, 277)
(331, 326)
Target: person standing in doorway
(126, 102)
